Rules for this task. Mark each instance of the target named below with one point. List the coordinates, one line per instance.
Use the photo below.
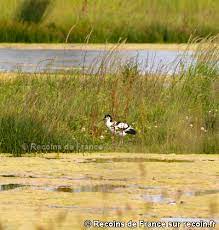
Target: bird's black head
(107, 117)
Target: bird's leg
(122, 139)
(113, 139)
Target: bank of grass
(171, 113)
(135, 20)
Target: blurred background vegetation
(109, 20)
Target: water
(133, 160)
(158, 197)
(103, 188)
(89, 61)
(203, 192)
(5, 187)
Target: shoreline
(109, 46)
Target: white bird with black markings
(118, 128)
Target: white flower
(203, 129)
(155, 126)
(101, 137)
(83, 129)
(191, 125)
(209, 111)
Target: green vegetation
(107, 21)
(32, 10)
(175, 113)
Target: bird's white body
(118, 128)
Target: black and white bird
(118, 128)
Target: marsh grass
(172, 113)
(134, 20)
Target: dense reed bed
(134, 20)
(172, 113)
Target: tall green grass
(171, 113)
(134, 20)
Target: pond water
(35, 60)
(165, 187)
(133, 160)
(153, 194)
(5, 187)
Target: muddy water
(5, 187)
(90, 60)
(159, 195)
(132, 160)
(110, 185)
